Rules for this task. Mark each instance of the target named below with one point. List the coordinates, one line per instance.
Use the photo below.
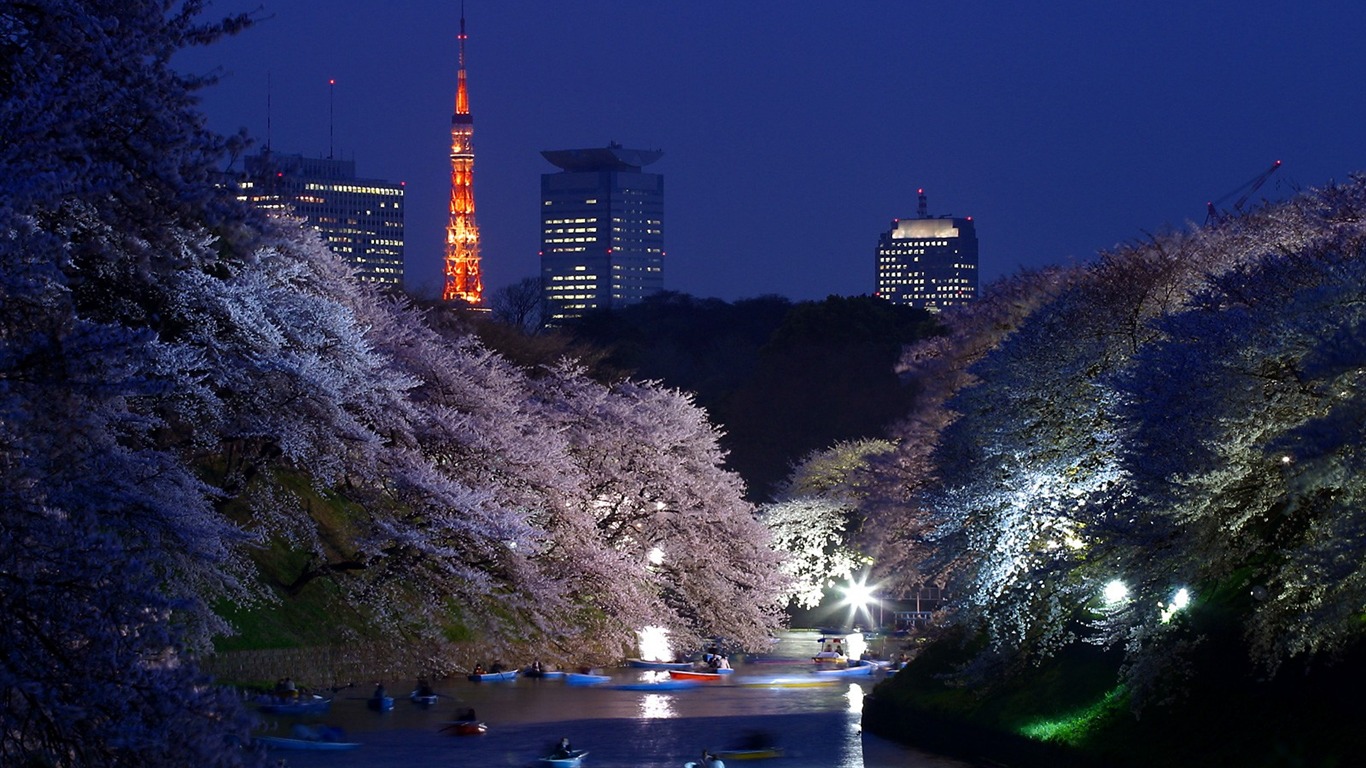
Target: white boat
(831, 652)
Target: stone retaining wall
(332, 666)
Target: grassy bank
(1072, 712)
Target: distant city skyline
(793, 133)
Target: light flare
(654, 644)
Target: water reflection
(656, 705)
(855, 697)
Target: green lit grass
(1074, 727)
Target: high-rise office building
(928, 262)
(602, 230)
(361, 220)
(463, 278)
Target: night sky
(793, 133)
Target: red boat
(464, 727)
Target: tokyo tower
(462, 234)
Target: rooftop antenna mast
(923, 208)
(331, 87)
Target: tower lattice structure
(463, 280)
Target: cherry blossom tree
(816, 518)
(683, 548)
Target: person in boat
(722, 662)
(478, 669)
(379, 693)
(496, 667)
(562, 750)
(710, 761)
(424, 688)
(467, 715)
(536, 668)
(286, 689)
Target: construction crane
(1212, 214)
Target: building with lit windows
(928, 262)
(602, 230)
(361, 220)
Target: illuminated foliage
(816, 518)
(1181, 414)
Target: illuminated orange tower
(462, 234)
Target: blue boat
(303, 705)
(583, 678)
(483, 677)
(575, 758)
(302, 736)
(659, 685)
(380, 703)
(280, 742)
(424, 697)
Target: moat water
(815, 726)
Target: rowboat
(702, 677)
(280, 742)
(750, 754)
(380, 703)
(425, 699)
(803, 681)
(658, 685)
(575, 758)
(583, 678)
(309, 737)
(485, 677)
(464, 727)
(644, 664)
(304, 705)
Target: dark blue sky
(794, 132)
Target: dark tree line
(781, 378)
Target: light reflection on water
(656, 705)
(817, 726)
